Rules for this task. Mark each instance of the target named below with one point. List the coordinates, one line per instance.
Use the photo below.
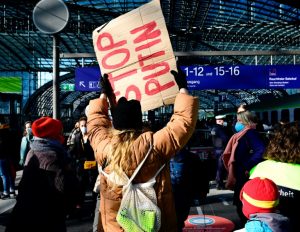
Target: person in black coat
(220, 137)
(6, 157)
(47, 188)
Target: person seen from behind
(260, 199)
(186, 169)
(25, 142)
(6, 145)
(220, 137)
(282, 165)
(122, 144)
(243, 151)
(47, 188)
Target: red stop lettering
(113, 79)
(105, 42)
(135, 90)
(121, 63)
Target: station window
(297, 114)
(265, 117)
(285, 115)
(274, 117)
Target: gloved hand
(21, 163)
(180, 78)
(106, 86)
(108, 90)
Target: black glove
(180, 78)
(106, 86)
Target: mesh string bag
(138, 211)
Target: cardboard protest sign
(135, 51)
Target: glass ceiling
(193, 25)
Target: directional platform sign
(87, 79)
(201, 77)
(216, 77)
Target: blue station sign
(215, 77)
(87, 79)
(242, 77)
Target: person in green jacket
(282, 165)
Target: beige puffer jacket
(166, 141)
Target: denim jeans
(6, 176)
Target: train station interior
(229, 34)
(206, 32)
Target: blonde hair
(120, 158)
(247, 118)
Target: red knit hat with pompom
(259, 195)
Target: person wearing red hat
(47, 187)
(260, 198)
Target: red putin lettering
(150, 33)
(154, 82)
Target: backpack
(138, 211)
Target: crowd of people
(58, 173)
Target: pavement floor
(217, 203)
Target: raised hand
(180, 78)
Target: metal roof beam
(198, 53)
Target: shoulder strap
(140, 165)
(135, 171)
(161, 168)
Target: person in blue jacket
(244, 150)
(25, 142)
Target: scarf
(228, 156)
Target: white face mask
(83, 130)
(29, 131)
(225, 124)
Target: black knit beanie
(127, 115)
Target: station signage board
(87, 79)
(216, 77)
(242, 77)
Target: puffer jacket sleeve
(98, 123)
(180, 128)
